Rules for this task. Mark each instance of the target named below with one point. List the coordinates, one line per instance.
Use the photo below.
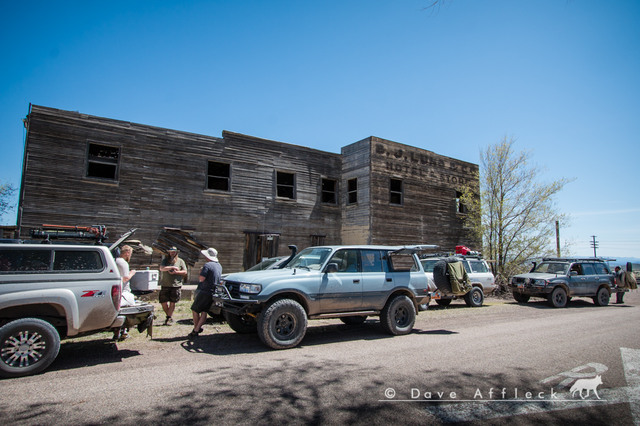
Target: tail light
(116, 294)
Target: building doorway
(258, 246)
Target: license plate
(520, 285)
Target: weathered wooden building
(246, 196)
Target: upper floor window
(103, 161)
(218, 176)
(352, 191)
(395, 191)
(286, 185)
(460, 206)
(329, 191)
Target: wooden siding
(161, 183)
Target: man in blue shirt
(202, 299)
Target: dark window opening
(317, 240)
(285, 185)
(395, 192)
(329, 191)
(218, 176)
(460, 207)
(352, 191)
(102, 161)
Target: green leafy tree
(515, 214)
(6, 198)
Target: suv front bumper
(223, 301)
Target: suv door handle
(389, 280)
(356, 281)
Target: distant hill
(622, 261)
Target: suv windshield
(428, 264)
(552, 268)
(310, 258)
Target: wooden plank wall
(428, 214)
(162, 183)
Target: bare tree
(514, 214)
(6, 193)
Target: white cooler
(145, 280)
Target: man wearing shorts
(173, 272)
(209, 277)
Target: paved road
(500, 363)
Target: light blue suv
(346, 282)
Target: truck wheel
(521, 298)
(241, 324)
(354, 320)
(558, 298)
(443, 302)
(398, 316)
(27, 346)
(282, 324)
(474, 298)
(602, 297)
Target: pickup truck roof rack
(49, 232)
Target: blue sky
(561, 77)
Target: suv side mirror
(331, 268)
(572, 273)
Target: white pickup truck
(54, 291)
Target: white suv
(480, 278)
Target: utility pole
(594, 244)
(558, 238)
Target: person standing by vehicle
(209, 277)
(173, 273)
(621, 283)
(122, 262)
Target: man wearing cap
(209, 277)
(173, 272)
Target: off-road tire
(602, 297)
(558, 298)
(282, 324)
(357, 320)
(474, 298)
(27, 346)
(443, 302)
(241, 324)
(521, 298)
(398, 316)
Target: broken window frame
(352, 191)
(396, 194)
(98, 165)
(329, 191)
(285, 183)
(223, 179)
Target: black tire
(241, 324)
(558, 298)
(27, 346)
(354, 320)
(443, 302)
(282, 324)
(602, 297)
(474, 298)
(521, 298)
(398, 316)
